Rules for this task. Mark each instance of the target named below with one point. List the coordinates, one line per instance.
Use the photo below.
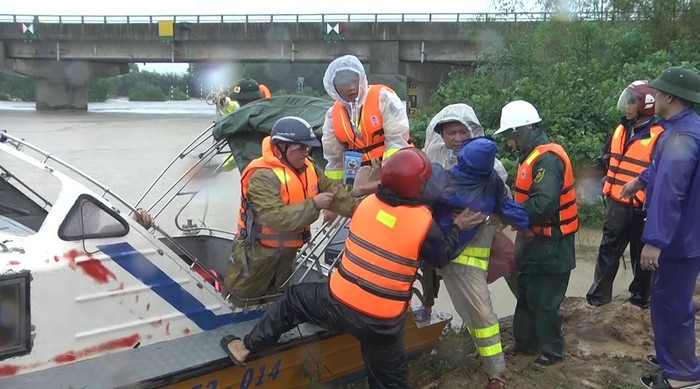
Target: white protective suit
(465, 277)
(392, 109)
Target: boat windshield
(27, 194)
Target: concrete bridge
(65, 52)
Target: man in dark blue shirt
(672, 247)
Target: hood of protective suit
(434, 145)
(346, 62)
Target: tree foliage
(573, 71)
(143, 91)
(16, 87)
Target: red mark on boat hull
(72, 255)
(92, 267)
(120, 287)
(186, 331)
(14, 262)
(148, 307)
(167, 329)
(96, 270)
(8, 370)
(70, 356)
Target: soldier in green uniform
(544, 254)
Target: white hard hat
(517, 114)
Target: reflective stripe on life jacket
(627, 161)
(568, 210)
(371, 140)
(378, 267)
(294, 188)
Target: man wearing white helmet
(544, 253)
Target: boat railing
(45, 157)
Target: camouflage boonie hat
(246, 89)
(680, 82)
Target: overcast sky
(235, 7)
(231, 7)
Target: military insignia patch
(539, 174)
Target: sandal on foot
(421, 314)
(224, 342)
(496, 383)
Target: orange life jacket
(626, 164)
(371, 143)
(568, 210)
(376, 272)
(293, 189)
(264, 90)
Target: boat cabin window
(90, 219)
(27, 194)
(15, 314)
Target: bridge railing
(316, 18)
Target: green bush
(591, 215)
(102, 89)
(17, 87)
(141, 91)
(179, 95)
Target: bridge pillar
(63, 84)
(424, 79)
(58, 93)
(384, 57)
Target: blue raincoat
(472, 183)
(673, 206)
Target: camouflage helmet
(246, 89)
(678, 81)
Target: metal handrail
(317, 17)
(4, 137)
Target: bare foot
(238, 350)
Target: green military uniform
(270, 267)
(544, 263)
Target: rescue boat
(91, 299)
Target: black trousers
(381, 341)
(623, 225)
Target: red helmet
(638, 91)
(406, 172)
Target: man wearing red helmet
(368, 293)
(630, 150)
